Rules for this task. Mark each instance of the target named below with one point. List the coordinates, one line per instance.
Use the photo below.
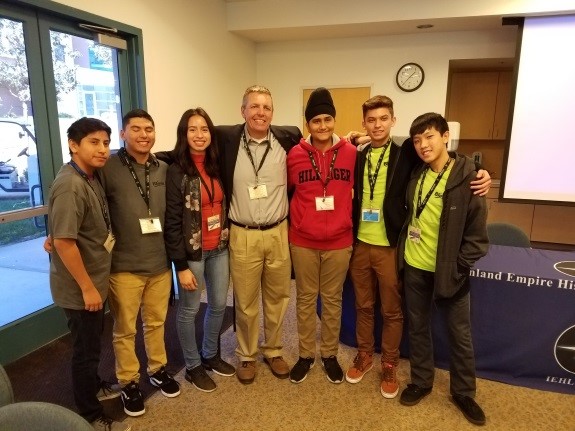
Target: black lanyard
(122, 153)
(246, 147)
(212, 193)
(421, 205)
(372, 179)
(101, 200)
(318, 173)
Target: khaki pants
(373, 267)
(319, 272)
(128, 293)
(260, 261)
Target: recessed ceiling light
(422, 26)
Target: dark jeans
(86, 329)
(418, 287)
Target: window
(51, 73)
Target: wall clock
(410, 77)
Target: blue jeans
(214, 270)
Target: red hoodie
(322, 230)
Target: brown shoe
(279, 367)
(389, 383)
(246, 372)
(362, 363)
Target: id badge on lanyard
(324, 203)
(109, 243)
(370, 215)
(258, 191)
(414, 234)
(213, 222)
(150, 225)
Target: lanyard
(256, 171)
(122, 153)
(318, 173)
(421, 205)
(372, 179)
(212, 193)
(101, 201)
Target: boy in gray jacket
(444, 235)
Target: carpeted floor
(270, 404)
(44, 375)
(316, 404)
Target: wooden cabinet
(553, 224)
(542, 223)
(480, 102)
(502, 105)
(520, 215)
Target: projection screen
(540, 157)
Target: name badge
(414, 234)
(109, 243)
(150, 225)
(324, 203)
(258, 191)
(213, 222)
(370, 215)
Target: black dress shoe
(470, 409)
(413, 394)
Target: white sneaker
(104, 423)
(108, 391)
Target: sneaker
(246, 372)
(389, 384)
(218, 366)
(104, 423)
(332, 369)
(108, 391)
(362, 363)
(413, 394)
(299, 371)
(470, 409)
(133, 400)
(198, 377)
(168, 386)
(279, 367)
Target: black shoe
(413, 394)
(168, 386)
(299, 371)
(218, 366)
(332, 369)
(133, 400)
(199, 378)
(470, 409)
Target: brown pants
(374, 266)
(319, 272)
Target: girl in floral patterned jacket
(196, 234)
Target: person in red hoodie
(320, 176)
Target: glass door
(86, 78)
(23, 263)
(51, 73)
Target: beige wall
(293, 14)
(288, 67)
(190, 58)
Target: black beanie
(320, 102)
